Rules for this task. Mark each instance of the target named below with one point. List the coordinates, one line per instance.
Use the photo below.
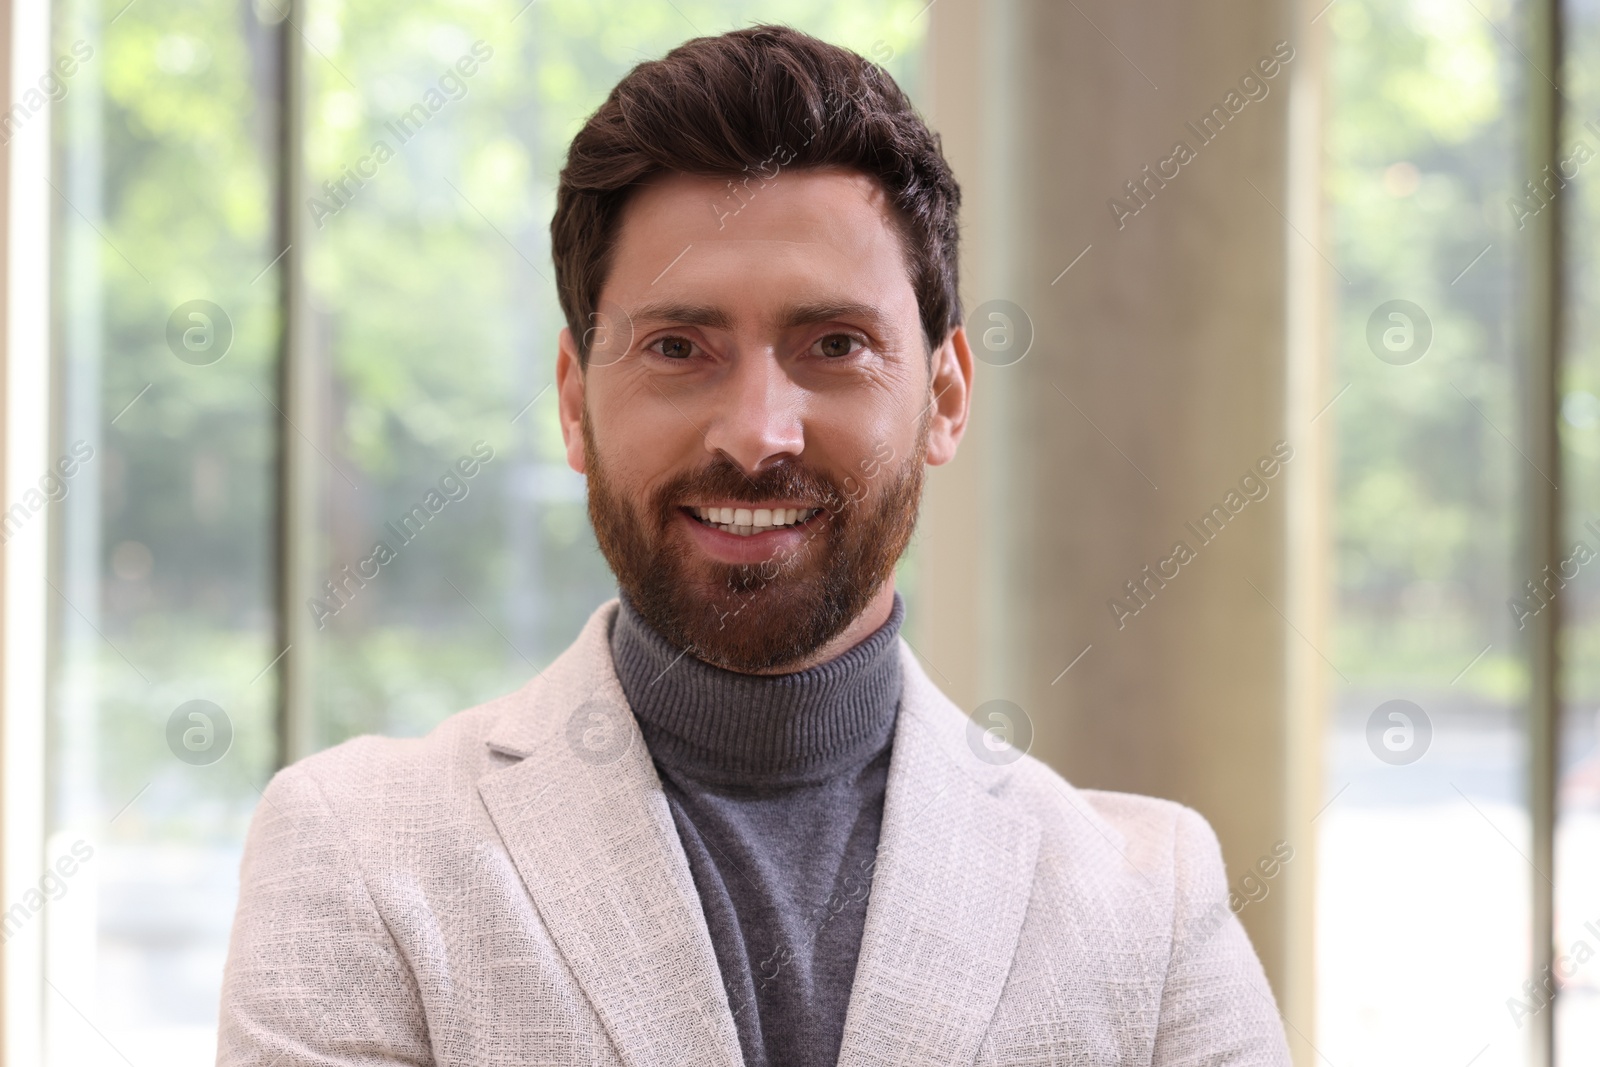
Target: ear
(951, 391)
(569, 398)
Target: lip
(757, 548)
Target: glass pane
(433, 326)
(1577, 977)
(166, 334)
(435, 134)
(1424, 885)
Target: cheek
(626, 470)
(636, 428)
(861, 450)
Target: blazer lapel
(584, 819)
(950, 887)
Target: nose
(756, 413)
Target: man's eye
(835, 345)
(675, 347)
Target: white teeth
(745, 522)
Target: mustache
(788, 479)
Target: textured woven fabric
(510, 890)
(776, 785)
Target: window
(1576, 845)
(310, 483)
(302, 305)
(1437, 881)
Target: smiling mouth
(747, 522)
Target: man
(735, 822)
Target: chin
(735, 618)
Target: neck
(874, 615)
(720, 725)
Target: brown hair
(738, 104)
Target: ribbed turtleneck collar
(721, 726)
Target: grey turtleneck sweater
(776, 784)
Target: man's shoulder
(1133, 819)
(366, 769)
(1148, 832)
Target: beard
(762, 617)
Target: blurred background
(273, 267)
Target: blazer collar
(952, 881)
(584, 819)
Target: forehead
(799, 235)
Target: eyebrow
(791, 317)
(811, 314)
(684, 315)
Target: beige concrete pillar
(1170, 357)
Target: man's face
(757, 410)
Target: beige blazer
(510, 889)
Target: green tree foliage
(1422, 145)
